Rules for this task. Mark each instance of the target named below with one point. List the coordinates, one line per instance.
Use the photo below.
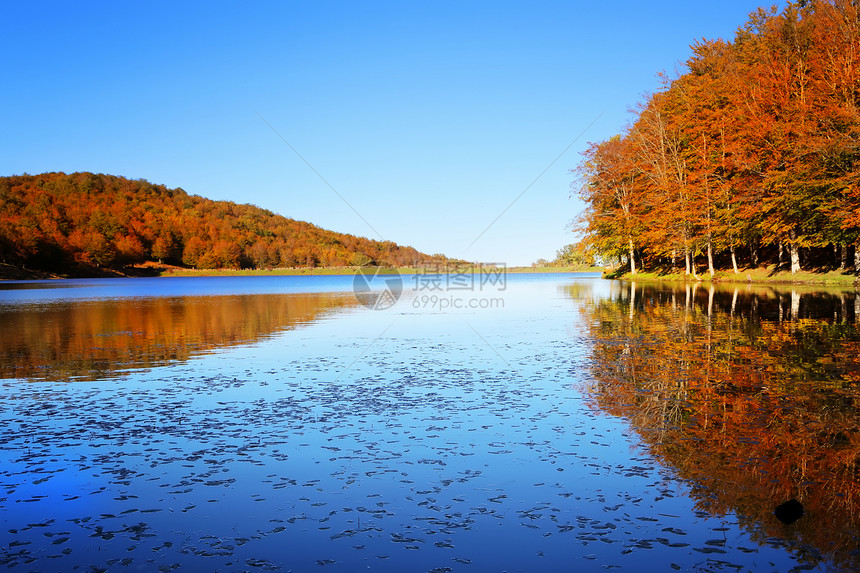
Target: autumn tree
(610, 187)
(756, 144)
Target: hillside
(86, 223)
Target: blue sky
(429, 118)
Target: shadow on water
(103, 338)
(751, 394)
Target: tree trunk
(794, 251)
(795, 258)
(843, 257)
(710, 259)
(857, 258)
(754, 254)
(674, 255)
(693, 267)
(779, 260)
(686, 260)
(632, 259)
(734, 260)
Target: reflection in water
(96, 339)
(750, 394)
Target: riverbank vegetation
(89, 224)
(576, 258)
(765, 274)
(749, 158)
(184, 272)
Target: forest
(750, 156)
(84, 222)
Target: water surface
(274, 423)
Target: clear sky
(429, 118)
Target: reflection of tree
(103, 338)
(578, 290)
(752, 397)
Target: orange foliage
(58, 222)
(758, 143)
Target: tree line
(751, 154)
(82, 221)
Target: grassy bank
(765, 274)
(182, 272)
(556, 269)
(151, 269)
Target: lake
(427, 423)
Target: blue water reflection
(409, 439)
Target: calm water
(559, 422)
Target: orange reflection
(752, 396)
(96, 339)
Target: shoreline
(12, 273)
(350, 271)
(761, 275)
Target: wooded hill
(83, 222)
(752, 152)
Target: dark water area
(569, 423)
